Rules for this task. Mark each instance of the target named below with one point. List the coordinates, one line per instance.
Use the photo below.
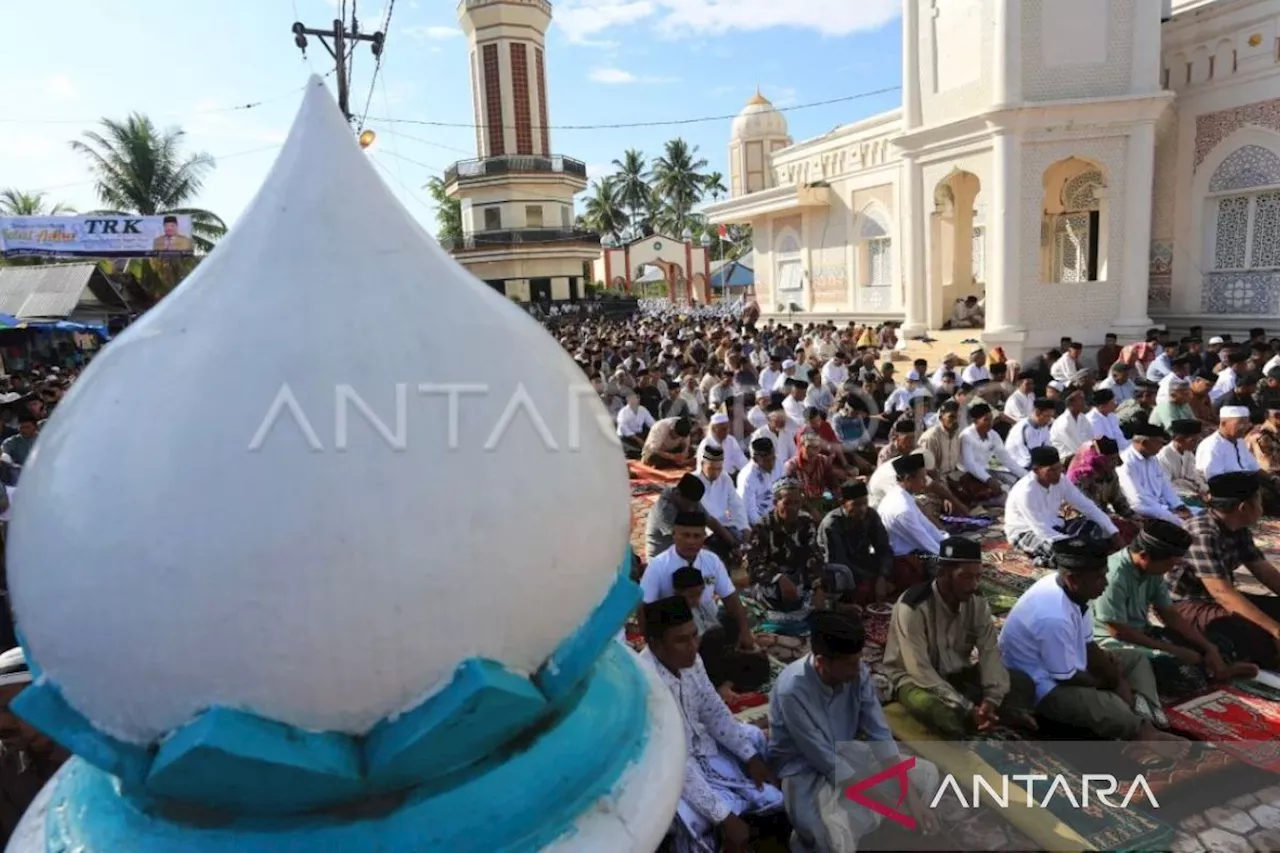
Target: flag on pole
(724, 231)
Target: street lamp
(687, 236)
(706, 240)
(367, 138)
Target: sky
(191, 64)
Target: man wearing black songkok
(856, 547)
(1181, 657)
(1243, 625)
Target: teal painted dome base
(522, 799)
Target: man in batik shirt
(785, 558)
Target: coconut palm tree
(14, 202)
(714, 186)
(604, 214)
(632, 185)
(142, 170)
(677, 177)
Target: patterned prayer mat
(1246, 725)
(1104, 828)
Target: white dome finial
(343, 466)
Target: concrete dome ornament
(361, 595)
(759, 119)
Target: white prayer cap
(913, 376)
(13, 667)
(1057, 386)
(1228, 412)
(1215, 340)
(788, 364)
(719, 418)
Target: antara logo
(1091, 787)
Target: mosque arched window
(1244, 202)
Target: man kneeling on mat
(933, 632)
(1181, 657)
(1049, 636)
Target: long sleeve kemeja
(976, 453)
(909, 530)
(1031, 507)
(1147, 487)
(808, 719)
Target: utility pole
(339, 50)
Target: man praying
(1049, 636)
(718, 436)
(1246, 626)
(934, 632)
(1032, 510)
(911, 534)
(722, 503)
(667, 445)
(1031, 432)
(1147, 488)
(1182, 659)
(979, 444)
(726, 774)
(827, 730)
(784, 558)
(1071, 429)
(854, 537)
(1103, 419)
(755, 481)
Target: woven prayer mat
(1010, 560)
(1241, 723)
(1104, 828)
(647, 473)
(999, 597)
(1010, 583)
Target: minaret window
(533, 216)
(542, 102)
(493, 219)
(520, 92)
(493, 101)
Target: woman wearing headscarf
(1093, 472)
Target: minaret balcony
(508, 238)
(484, 170)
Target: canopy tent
(80, 293)
(732, 274)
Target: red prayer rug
(648, 473)
(1245, 725)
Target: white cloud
(60, 87)
(618, 76)
(596, 171)
(781, 96)
(581, 19)
(434, 33)
(585, 18)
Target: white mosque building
(1083, 166)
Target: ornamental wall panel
(1046, 74)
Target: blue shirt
(807, 719)
(1046, 635)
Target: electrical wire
(377, 66)
(631, 124)
(440, 145)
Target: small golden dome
(759, 99)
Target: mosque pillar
(911, 64)
(913, 220)
(1004, 273)
(1135, 207)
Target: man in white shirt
(758, 415)
(1178, 458)
(634, 422)
(1181, 369)
(1162, 365)
(1118, 382)
(834, 372)
(1143, 480)
(979, 443)
(1066, 367)
(718, 436)
(1026, 435)
(794, 405)
(1048, 636)
(1103, 420)
(721, 501)
(1229, 377)
(1033, 520)
(1071, 429)
(950, 362)
(1224, 450)
(780, 432)
(770, 375)
(910, 532)
(1021, 403)
(689, 535)
(788, 372)
(755, 482)
(977, 369)
(726, 775)
(900, 399)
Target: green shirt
(1165, 413)
(1129, 597)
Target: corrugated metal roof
(47, 292)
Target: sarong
(694, 833)
(824, 820)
